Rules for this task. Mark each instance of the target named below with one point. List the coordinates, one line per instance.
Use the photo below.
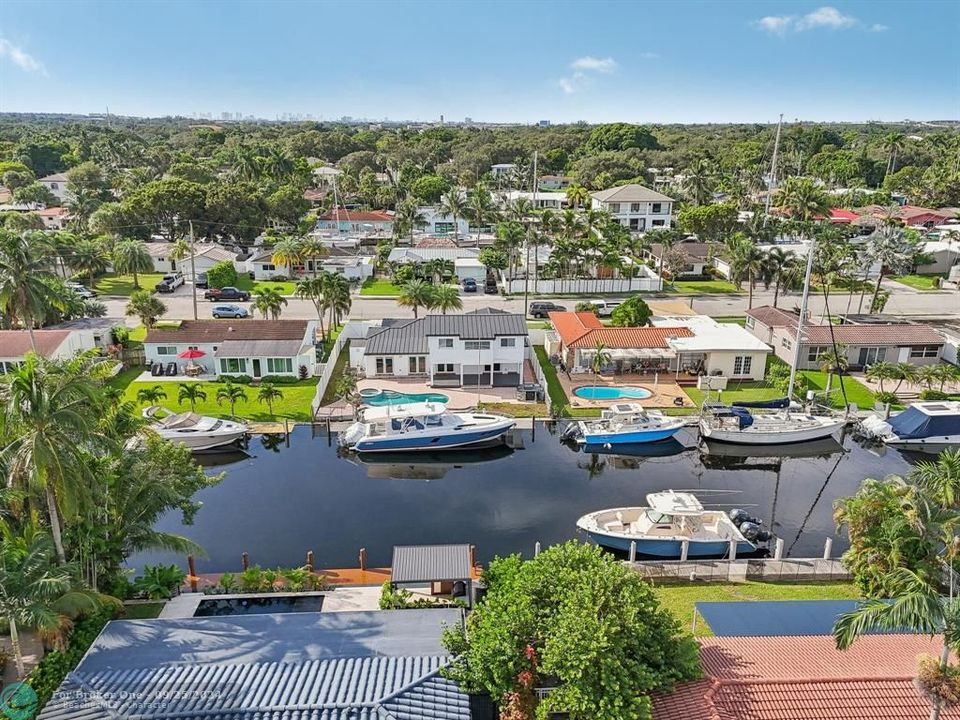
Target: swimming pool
(600, 392)
(377, 398)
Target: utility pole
(526, 274)
(193, 270)
(773, 171)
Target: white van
(605, 308)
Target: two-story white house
(636, 207)
(440, 225)
(482, 348)
(57, 184)
(540, 200)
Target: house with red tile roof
(865, 344)
(53, 218)
(694, 343)
(909, 215)
(804, 678)
(357, 222)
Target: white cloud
(649, 55)
(21, 59)
(572, 84)
(877, 27)
(775, 24)
(828, 17)
(592, 64)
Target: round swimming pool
(601, 392)
(392, 397)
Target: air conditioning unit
(711, 382)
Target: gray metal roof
(397, 337)
(313, 666)
(429, 563)
(424, 254)
(259, 348)
(409, 337)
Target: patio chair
(171, 369)
(156, 369)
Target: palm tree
(780, 269)
(26, 292)
(312, 289)
(480, 208)
(247, 165)
(81, 206)
(34, 591)
(191, 392)
(446, 297)
(510, 236)
(287, 252)
(131, 257)
(89, 258)
(278, 163)
(269, 393)
(269, 302)
(904, 372)
(408, 218)
(698, 182)
(231, 393)
(337, 297)
(801, 200)
(601, 358)
(151, 395)
(415, 294)
(833, 361)
(312, 249)
(940, 478)
(928, 375)
(881, 371)
(577, 195)
(146, 307)
(893, 143)
(454, 205)
(893, 249)
(437, 269)
(48, 414)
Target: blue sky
(497, 61)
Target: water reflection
(423, 465)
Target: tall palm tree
(893, 249)
(415, 294)
(48, 415)
(778, 262)
(801, 200)
(288, 252)
(446, 297)
(131, 257)
(231, 393)
(893, 143)
(89, 258)
(269, 302)
(247, 165)
(34, 591)
(480, 208)
(192, 393)
(577, 195)
(408, 218)
(312, 249)
(26, 292)
(940, 478)
(699, 181)
(337, 297)
(833, 361)
(510, 237)
(269, 393)
(312, 289)
(601, 357)
(453, 204)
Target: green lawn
(112, 284)
(524, 410)
(142, 611)
(680, 599)
(286, 287)
(702, 287)
(332, 336)
(379, 286)
(919, 282)
(740, 320)
(330, 394)
(295, 404)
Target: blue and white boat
(932, 425)
(624, 424)
(671, 522)
(422, 426)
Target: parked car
(540, 309)
(605, 308)
(490, 287)
(201, 281)
(469, 285)
(226, 293)
(229, 311)
(170, 283)
(81, 290)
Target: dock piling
(310, 560)
(536, 548)
(684, 550)
(733, 550)
(193, 573)
(329, 433)
(633, 551)
(245, 561)
(286, 431)
(827, 548)
(778, 550)
(363, 558)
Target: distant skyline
(522, 61)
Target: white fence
(352, 330)
(584, 286)
(541, 378)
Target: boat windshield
(659, 518)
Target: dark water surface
(280, 501)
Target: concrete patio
(459, 397)
(664, 389)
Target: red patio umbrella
(191, 354)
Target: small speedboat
(930, 425)
(672, 521)
(421, 426)
(623, 424)
(197, 432)
(724, 423)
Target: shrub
(222, 274)
(256, 579)
(159, 581)
(303, 372)
(279, 379)
(928, 394)
(402, 599)
(239, 379)
(886, 397)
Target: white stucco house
(636, 207)
(540, 200)
(371, 223)
(53, 218)
(59, 343)
(57, 184)
(207, 255)
(257, 348)
(355, 268)
(440, 225)
(483, 348)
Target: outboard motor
(754, 533)
(738, 516)
(571, 431)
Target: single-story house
(693, 344)
(485, 347)
(91, 333)
(57, 184)
(865, 343)
(909, 215)
(540, 200)
(53, 218)
(944, 255)
(51, 343)
(425, 253)
(162, 262)
(207, 255)
(382, 664)
(470, 268)
(695, 252)
(237, 347)
(502, 170)
(555, 182)
(354, 268)
(370, 222)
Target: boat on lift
(932, 425)
(671, 521)
(197, 432)
(624, 424)
(422, 426)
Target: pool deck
(664, 389)
(459, 398)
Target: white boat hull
(474, 430)
(203, 442)
(830, 427)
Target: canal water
(278, 501)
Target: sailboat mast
(773, 170)
(803, 314)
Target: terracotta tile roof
(772, 317)
(196, 332)
(584, 330)
(573, 325)
(342, 215)
(899, 334)
(839, 215)
(52, 212)
(803, 678)
(16, 343)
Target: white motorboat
(422, 426)
(724, 423)
(674, 525)
(931, 425)
(197, 432)
(624, 424)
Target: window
(54, 186)
(815, 351)
(384, 366)
(634, 207)
(741, 364)
(446, 342)
(658, 223)
(496, 367)
(268, 266)
(750, 322)
(476, 345)
(508, 342)
(634, 224)
(166, 350)
(786, 342)
(279, 365)
(656, 208)
(443, 228)
(418, 364)
(233, 366)
(925, 351)
(444, 367)
(613, 207)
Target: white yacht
(197, 432)
(733, 424)
(421, 426)
(931, 425)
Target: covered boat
(422, 426)
(197, 432)
(723, 423)
(624, 424)
(674, 525)
(932, 425)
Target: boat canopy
(743, 415)
(417, 409)
(777, 404)
(675, 503)
(926, 420)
